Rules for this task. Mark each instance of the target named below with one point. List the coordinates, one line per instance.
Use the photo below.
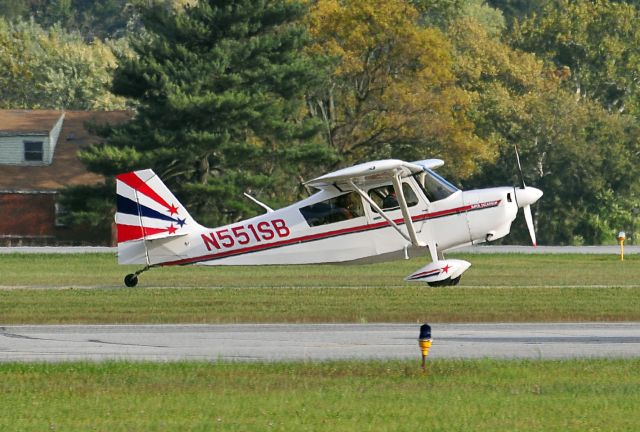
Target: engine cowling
(440, 273)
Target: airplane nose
(527, 196)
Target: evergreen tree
(219, 88)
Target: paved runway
(281, 342)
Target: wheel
(446, 282)
(131, 280)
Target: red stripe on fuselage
(329, 234)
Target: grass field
(586, 395)
(497, 288)
(485, 395)
(487, 270)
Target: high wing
(373, 172)
(359, 176)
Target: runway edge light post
(425, 343)
(621, 237)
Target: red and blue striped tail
(147, 210)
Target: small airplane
(375, 211)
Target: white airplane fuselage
(285, 236)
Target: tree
(106, 19)
(596, 42)
(53, 69)
(219, 88)
(392, 92)
(438, 13)
(497, 78)
(586, 161)
(583, 157)
(12, 9)
(518, 9)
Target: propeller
(519, 167)
(525, 196)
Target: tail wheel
(131, 280)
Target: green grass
(311, 305)
(482, 395)
(492, 270)
(498, 288)
(485, 395)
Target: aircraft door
(445, 221)
(388, 239)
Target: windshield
(435, 187)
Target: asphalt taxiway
(295, 342)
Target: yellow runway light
(425, 343)
(621, 237)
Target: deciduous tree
(596, 42)
(582, 156)
(392, 92)
(54, 69)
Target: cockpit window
(340, 208)
(385, 197)
(435, 187)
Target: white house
(28, 137)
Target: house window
(61, 214)
(33, 151)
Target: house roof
(65, 169)
(27, 122)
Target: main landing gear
(131, 279)
(446, 282)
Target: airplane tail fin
(147, 210)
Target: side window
(385, 197)
(340, 208)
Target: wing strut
(405, 213)
(377, 209)
(397, 185)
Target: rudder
(147, 210)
